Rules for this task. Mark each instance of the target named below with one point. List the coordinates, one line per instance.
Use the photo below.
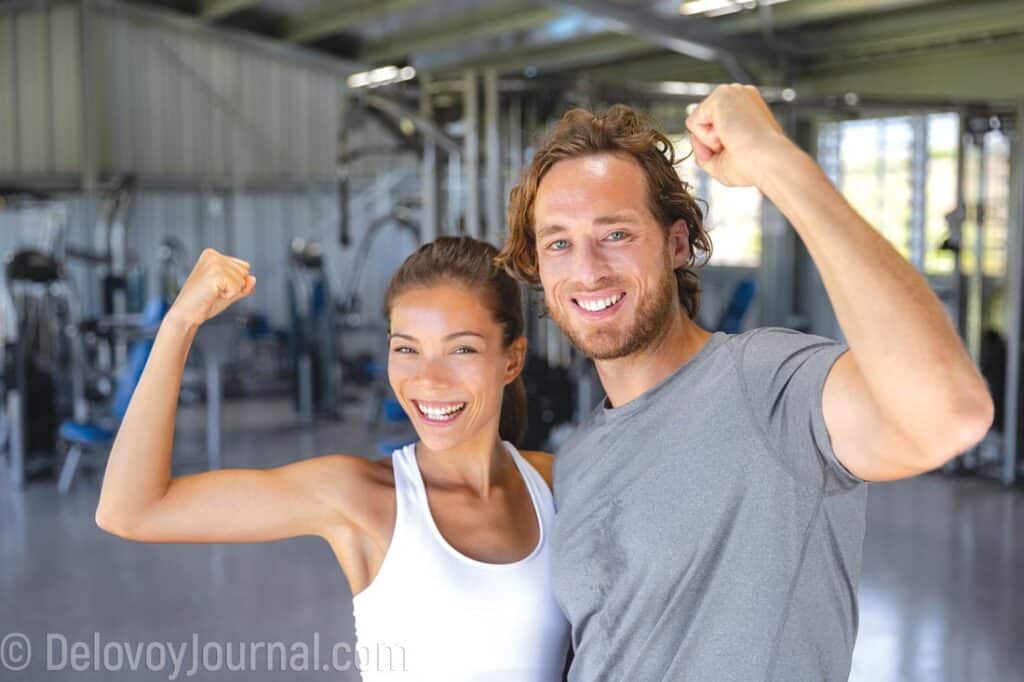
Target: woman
(444, 544)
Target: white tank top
(435, 614)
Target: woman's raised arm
(140, 500)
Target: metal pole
(492, 118)
(87, 98)
(918, 190)
(214, 397)
(1015, 301)
(976, 303)
(16, 439)
(471, 154)
(514, 142)
(305, 389)
(429, 188)
(956, 222)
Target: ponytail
(513, 412)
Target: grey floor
(942, 593)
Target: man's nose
(590, 267)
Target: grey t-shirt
(706, 530)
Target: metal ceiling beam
(689, 36)
(661, 66)
(215, 9)
(565, 32)
(941, 26)
(309, 27)
(592, 51)
(481, 24)
(797, 12)
(398, 111)
(982, 72)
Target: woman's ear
(679, 243)
(516, 359)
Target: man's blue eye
(558, 245)
(404, 350)
(617, 235)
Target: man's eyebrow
(400, 335)
(610, 219)
(616, 218)
(549, 230)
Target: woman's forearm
(138, 470)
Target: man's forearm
(911, 358)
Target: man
(711, 509)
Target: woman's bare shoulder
(351, 481)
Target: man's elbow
(964, 428)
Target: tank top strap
(408, 490)
(535, 483)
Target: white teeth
(600, 304)
(440, 413)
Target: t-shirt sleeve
(783, 374)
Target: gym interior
(323, 141)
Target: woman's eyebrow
(463, 333)
(449, 337)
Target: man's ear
(516, 359)
(679, 243)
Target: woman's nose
(433, 371)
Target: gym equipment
(552, 396)
(39, 303)
(312, 332)
(173, 271)
(88, 441)
(402, 216)
(742, 297)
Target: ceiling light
(385, 75)
(717, 8)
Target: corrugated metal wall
(182, 103)
(40, 118)
(165, 98)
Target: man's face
(604, 262)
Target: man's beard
(652, 319)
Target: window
(733, 214)
(873, 164)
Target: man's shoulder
(772, 344)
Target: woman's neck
(478, 463)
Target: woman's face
(447, 363)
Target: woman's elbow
(113, 524)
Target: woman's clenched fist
(216, 281)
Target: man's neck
(625, 379)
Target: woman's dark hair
(470, 263)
